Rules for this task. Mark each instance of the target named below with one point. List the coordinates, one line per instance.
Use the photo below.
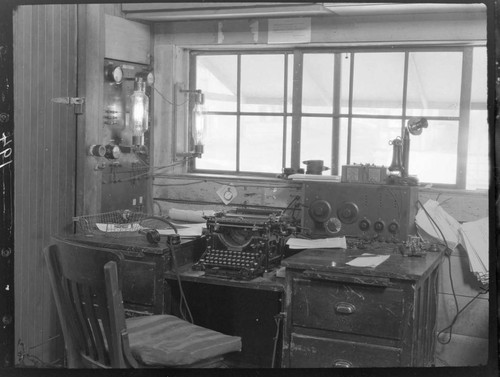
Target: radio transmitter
(382, 212)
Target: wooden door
(45, 67)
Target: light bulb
(139, 113)
(198, 129)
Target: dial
(364, 224)
(348, 212)
(114, 73)
(150, 78)
(320, 210)
(333, 225)
(393, 227)
(379, 226)
(118, 74)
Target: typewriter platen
(243, 244)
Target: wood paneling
(90, 130)
(127, 40)
(45, 140)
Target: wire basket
(113, 224)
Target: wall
(44, 164)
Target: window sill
(248, 178)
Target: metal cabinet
(343, 316)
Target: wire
(183, 299)
(296, 198)
(167, 100)
(448, 252)
(450, 326)
(277, 320)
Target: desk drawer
(350, 308)
(317, 352)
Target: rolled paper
(189, 215)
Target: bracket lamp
(139, 112)
(198, 120)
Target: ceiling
(209, 10)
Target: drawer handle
(342, 364)
(345, 308)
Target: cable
(277, 319)
(450, 326)
(448, 252)
(182, 300)
(167, 100)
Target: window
(345, 108)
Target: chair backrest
(89, 303)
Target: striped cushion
(170, 341)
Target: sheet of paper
(446, 223)
(185, 230)
(322, 243)
(474, 238)
(368, 260)
(129, 227)
(289, 30)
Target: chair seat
(170, 341)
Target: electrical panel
(124, 166)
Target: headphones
(152, 236)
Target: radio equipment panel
(384, 212)
(243, 244)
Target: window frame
(297, 54)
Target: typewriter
(243, 244)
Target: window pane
(220, 144)
(316, 140)
(262, 83)
(261, 144)
(434, 82)
(317, 83)
(378, 83)
(370, 140)
(216, 76)
(433, 154)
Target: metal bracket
(78, 102)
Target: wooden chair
(87, 290)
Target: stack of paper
(368, 260)
(474, 238)
(447, 224)
(323, 243)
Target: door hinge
(78, 102)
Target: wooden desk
(249, 309)
(144, 268)
(343, 316)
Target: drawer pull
(342, 364)
(345, 308)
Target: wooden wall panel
(45, 139)
(127, 40)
